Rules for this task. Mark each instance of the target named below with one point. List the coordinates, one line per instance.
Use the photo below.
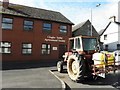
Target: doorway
(62, 50)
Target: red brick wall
(17, 36)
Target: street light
(91, 17)
(98, 5)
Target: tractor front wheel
(60, 66)
(76, 68)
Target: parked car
(117, 57)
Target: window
(45, 49)
(5, 47)
(47, 28)
(77, 43)
(63, 30)
(89, 43)
(105, 37)
(72, 44)
(28, 25)
(7, 23)
(26, 48)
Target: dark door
(106, 47)
(62, 50)
(118, 46)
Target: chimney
(113, 19)
(5, 3)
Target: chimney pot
(5, 3)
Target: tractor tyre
(60, 66)
(76, 68)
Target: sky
(78, 10)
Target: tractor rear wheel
(60, 66)
(76, 68)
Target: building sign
(54, 48)
(54, 39)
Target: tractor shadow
(112, 79)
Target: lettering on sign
(54, 39)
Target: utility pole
(91, 18)
(91, 21)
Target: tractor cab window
(89, 43)
(77, 43)
(72, 44)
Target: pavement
(30, 75)
(111, 82)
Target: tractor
(84, 58)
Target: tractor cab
(83, 44)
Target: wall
(119, 21)
(112, 37)
(17, 36)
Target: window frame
(61, 33)
(8, 47)
(8, 23)
(27, 48)
(46, 49)
(47, 30)
(28, 29)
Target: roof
(100, 32)
(103, 30)
(32, 12)
(78, 26)
(117, 23)
(84, 28)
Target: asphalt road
(29, 75)
(37, 75)
(112, 81)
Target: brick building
(30, 33)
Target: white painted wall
(119, 33)
(119, 21)
(112, 37)
(113, 33)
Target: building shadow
(28, 64)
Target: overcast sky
(78, 10)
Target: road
(29, 75)
(37, 75)
(112, 81)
